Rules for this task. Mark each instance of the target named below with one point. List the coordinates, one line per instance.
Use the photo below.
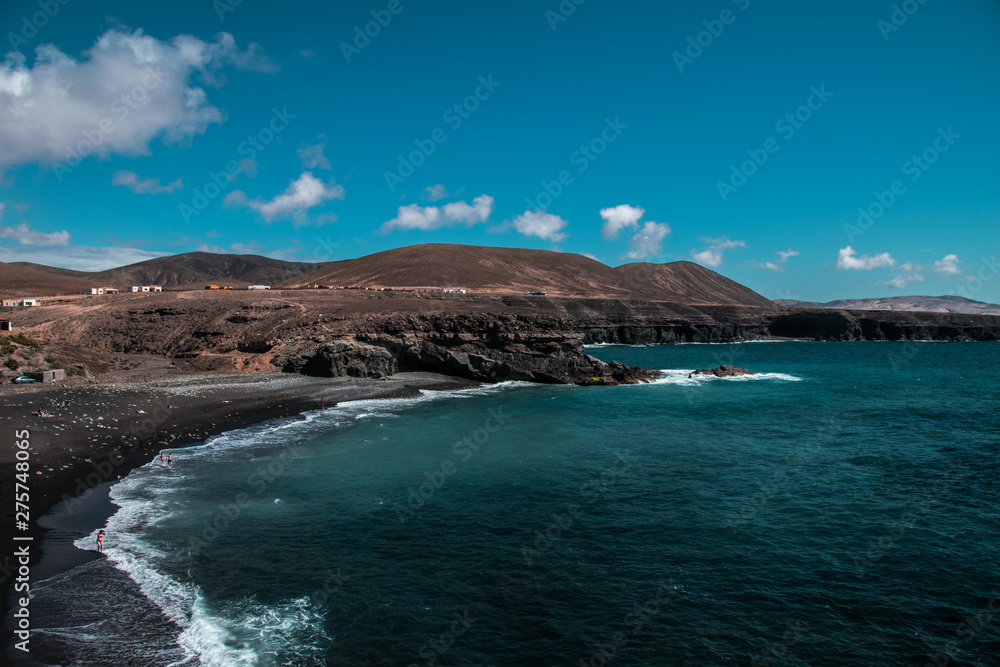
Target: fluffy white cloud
(541, 224)
(713, 254)
(948, 266)
(648, 241)
(435, 192)
(80, 258)
(788, 253)
(312, 155)
(149, 186)
(771, 266)
(304, 193)
(24, 235)
(415, 216)
(619, 218)
(124, 91)
(848, 258)
(780, 266)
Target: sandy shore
(98, 432)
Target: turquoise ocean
(838, 508)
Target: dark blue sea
(838, 508)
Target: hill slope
(188, 269)
(925, 304)
(515, 270)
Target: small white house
(29, 302)
(146, 288)
(102, 290)
(259, 287)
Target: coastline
(100, 432)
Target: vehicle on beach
(24, 379)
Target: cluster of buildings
(253, 287)
(115, 290)
(20, 303)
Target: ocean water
(838, 508)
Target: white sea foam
(678, 376)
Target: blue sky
(811, 151)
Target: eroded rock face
(485, 348)
(346, 357)
(723, 371)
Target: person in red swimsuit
(100, 541)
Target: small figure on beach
(100, 541)
(322, 403)
(170, 459)
(162, 460)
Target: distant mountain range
(486, 270)
(926, 304)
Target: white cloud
(848, 258)
(788, 253)
(948, 266)
(415, 216)
(302, 194)
(541, 224)
(312, 155)
(80, 258)
(123, 92)
(619, 218)
(435, 192)
(713, 254)
(24, 235)
(780, 265)
(149, 186)
(771, 266)
(248, 167)
(648, 241)
(902, 280)
(235, 199)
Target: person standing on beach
(170, 459)
(161, 458)
(100, 541)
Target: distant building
(9, 303)
(452, 291)
(146, 288)
(536, 294)
(218, 287)
(29, 302)
(259, 287)
(47, 376)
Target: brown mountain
(507, 270)
(185, 270)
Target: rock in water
(724, 371)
